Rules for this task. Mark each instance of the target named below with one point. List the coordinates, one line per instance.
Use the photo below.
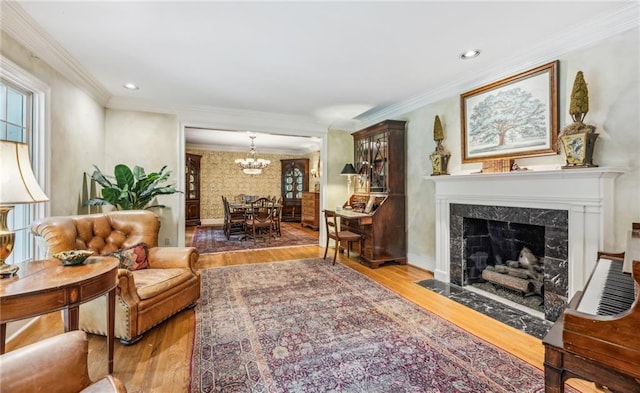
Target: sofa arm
(58, 233)
(56, 364)
(127, 287)
(173, 257)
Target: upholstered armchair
(144, 297)
(55, 365)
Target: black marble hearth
(465, 220)
(500, 312)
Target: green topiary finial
(579, 99)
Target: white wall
(612, 71)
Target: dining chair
(225, 224)
(259, 222)
(277, 218)
(332, 226)
(233, 220)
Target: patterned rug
(308, 326)
(211, 239)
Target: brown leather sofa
(144, 297)
(54, 365)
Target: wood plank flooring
(160, 361)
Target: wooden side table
(41, 287)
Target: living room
(86, 125)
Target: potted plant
(133, 189)
(579, 139)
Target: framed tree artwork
(513, 117)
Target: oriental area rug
(211, 239)
(308, 326)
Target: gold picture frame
(513, 117)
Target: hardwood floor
(160, 361)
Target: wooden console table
(41, 287)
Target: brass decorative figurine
(440, 157)
(578, 139)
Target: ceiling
(326, 61)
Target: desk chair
(334, 232)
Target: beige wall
(611, 69)
(148, 140)
(339, 152)
(76, 131)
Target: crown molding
(19, 25)
(203, 116)
(571, 39)
(245, 150)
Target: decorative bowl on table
(73, 257)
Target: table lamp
(348, 171)
(18, 185)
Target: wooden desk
(384, 237)
(362, 218)
(41, 287)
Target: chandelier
(252, 165)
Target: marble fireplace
(552, 246)
(573, 209)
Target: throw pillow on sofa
(134, 257)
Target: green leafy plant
(132, 189)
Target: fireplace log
(515, 271)
(507, 281)
(537, 287)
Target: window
(22, 99)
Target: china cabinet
(192, 196)
(295, 181)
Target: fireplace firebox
(495, 236)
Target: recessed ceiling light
(470, 54)
(131, 86)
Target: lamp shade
(348, 170)
(18, 184)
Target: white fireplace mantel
(587, 194)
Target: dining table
(247, 207)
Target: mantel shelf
(595, 172)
